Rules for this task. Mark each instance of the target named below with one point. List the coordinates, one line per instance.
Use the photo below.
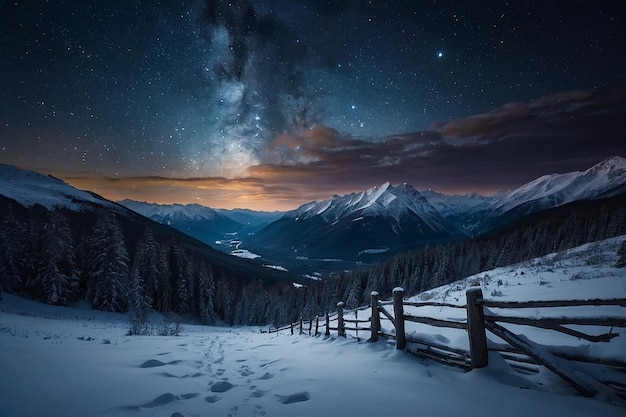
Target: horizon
(325, 197)
(251, 105)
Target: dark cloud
(500, 149)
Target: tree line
(61, 257)
(58, 257)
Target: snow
(59, 361)
(558, 189)
(386, 201)
(29, 188)
(278, 267)
(169, 212)
(244, 253)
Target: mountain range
(371, 224)
(387, 219)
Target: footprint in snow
(294, 398)
(161, 400)
(222, 386)
(153, 363)
(212, 399)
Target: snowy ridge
(177, 212)
(386, 201)
(558, 189)
(30, 188)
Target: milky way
(204, 88)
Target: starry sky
(270, 104)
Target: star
(439, 54)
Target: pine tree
(353, 298)
(108, 266)
(206, 294)
(136, 296)
(13, 236)
(149, 265)
(181, 273)
(57, 278)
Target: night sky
(270, 104)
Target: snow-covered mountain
(461, 210)
(381, 219)
(254, 220)
(388, 201)
(216, 227)
(604, 179)
(474, 214)
(29, 188)
(203, 223)
(164, 213)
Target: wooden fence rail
(477, 321)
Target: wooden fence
(476, 318)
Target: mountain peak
(608, 165)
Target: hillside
(242, 372)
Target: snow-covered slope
(29, 188)
(604, 179)
(80, 362)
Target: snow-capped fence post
(327, 332)
(476, 328)
(375, 316)
(341, 331)
(398, 311)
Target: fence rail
(477, 321)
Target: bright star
(439, 54)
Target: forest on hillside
(62, 257)
(428, 267)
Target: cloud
(484, 125)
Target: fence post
(317, 324)
(291, 328)
(341, 331)
(398, 311)
(375, 320)
(301, 331)
(476, 328)
(310, 325)
(327, 332)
